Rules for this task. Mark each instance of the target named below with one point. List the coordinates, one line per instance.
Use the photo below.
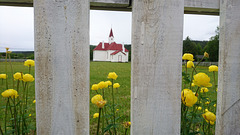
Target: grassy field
(98, 72)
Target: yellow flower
(10, 93)
(29, 63)
(102, 85)
(109, 83)
(206, 110)
(188, 56)
(28, 78)
(101, 103)
(34, 101)
(94, 87)
(30, 115)
(190, 64)
(204, 90)
(9, 52)
(209, 116)
(188, 97)
(18, 76)
(207, 102)
(201, 79)
(7, 49)
(199, 108)
(3, 76)
(211, 122)
(116, 85)
(206, 55)
(127, 124)
(117, 110)
(193, 84)
(96, 98)
(214, 105)
(95, 115)
(213, 68)
(112, 75)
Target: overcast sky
(16, 27)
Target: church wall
(99, 55)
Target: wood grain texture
(203, 7)
(228, 106)
(62, 66)
(156, 67)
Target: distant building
(110, 51)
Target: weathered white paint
(156, 67)
(62, 66)
(228, 106)
(204, 7)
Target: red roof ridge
(117, 52)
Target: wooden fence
(62, 63)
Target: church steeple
(111, 37)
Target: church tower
(111, 37)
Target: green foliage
(190, 47)
(212, 47)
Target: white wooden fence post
(156, 67)
(228, 106)
(62, 66)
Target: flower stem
(5, 124)
(126, 131)
(99, 121)
(115, 131)
(10, 62)
(1, 130)
(209, 128)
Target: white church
(110, 51)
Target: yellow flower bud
(188, 56)
(95, 115)
(116, 85)
(208, 102)
(94, 87)
(101, 103)
(3, 76)
(188, 97)
(214, 105)
(190, 64)
(127, 124)
(18, 76)
(112, 75)
(30, 115)
(29, 63)
(209, 116)
(201, 79)
(10, 93)
(199, 108)
(206, 110)
(204, 90)
(34, 101)
(213, 68)
(206, 55)
(102, 85)
(28, 78)
(96, 98)
(109, 83)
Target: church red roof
(112, 46)
(117, 52)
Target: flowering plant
(198, 98)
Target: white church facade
(110, 51)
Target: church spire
(111, 37)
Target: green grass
(98, 72)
